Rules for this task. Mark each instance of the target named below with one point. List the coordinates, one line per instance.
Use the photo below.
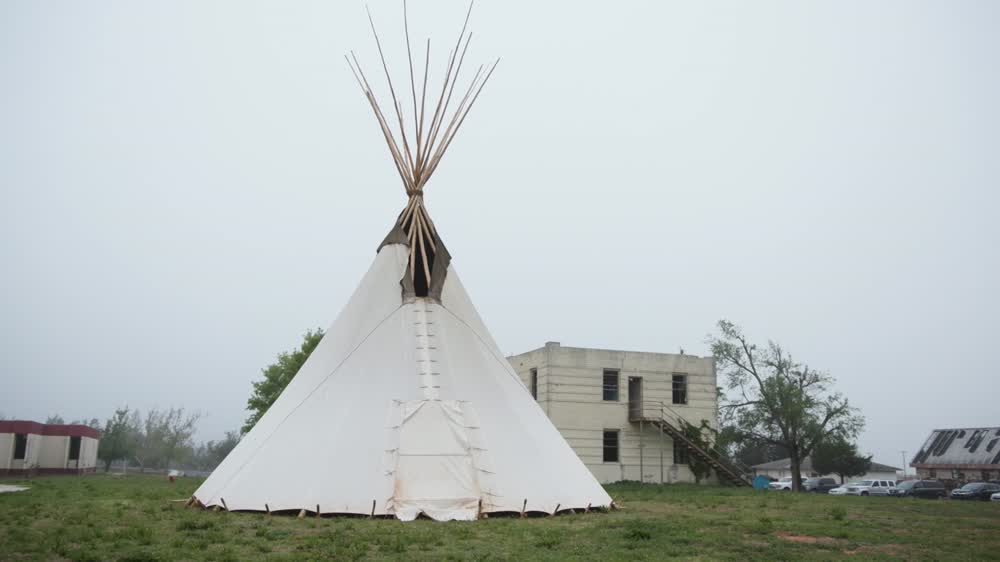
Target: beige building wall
(52, 451)
(32, 452)
(6, 449)
(88, 452)
(47, 451)
(570, 390)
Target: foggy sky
(187, 187)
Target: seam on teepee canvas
(307, 396)
(502, 360)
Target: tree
(164, 437)
(703, 436)
(748, 450)
(92, 422)
(55, 420)
(839, 456)
(778, 400)
(118, 440)
(208, 455)
(277, 376)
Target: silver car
(871, 488)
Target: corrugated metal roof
(960, 447)
(786, 464)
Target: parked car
(819, 485)
(918, 489)
(783, 484)
(975, 491)
(995, 497)
(871, 488)
(842, 490)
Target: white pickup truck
(871, 488)
(783, 484)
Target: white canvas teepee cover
(406, 406)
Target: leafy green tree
(277, 376)
(118, 439)
(703, 436)
(777, 400)
(748, 450)
(208, 455)
(165, 437)
(839, 456)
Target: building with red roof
(28, 448)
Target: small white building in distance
(783, 467)
(29, 448)
(621, 410)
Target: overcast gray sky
(188, 186)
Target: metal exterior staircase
(661, 416)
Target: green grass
(131, 518)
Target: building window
(680, 388)
(610, 445)
(74, 448)
(533, 383)
(932, 473)
(20, 446)
(610, 385)
(680, 453)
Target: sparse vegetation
(132, 518)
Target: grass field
(131, 518)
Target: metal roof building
(960, 454)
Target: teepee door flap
(435, 473)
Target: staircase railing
(658, 411)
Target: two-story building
(606, 404)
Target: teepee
(407, 406)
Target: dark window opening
(20, 446)
(534, 383)
(680, 453)
(610, 445)
(74, 448)
(932, 473)
(680, 388)
(610, 385)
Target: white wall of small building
(88, 452)
(52, 451)
(47, 451)
(570, 391)
(6, 450)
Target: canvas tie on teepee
(407, 406)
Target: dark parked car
(819, 485)
(975, 491)
(918, 489)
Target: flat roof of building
(604, 349)
(59, 430)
